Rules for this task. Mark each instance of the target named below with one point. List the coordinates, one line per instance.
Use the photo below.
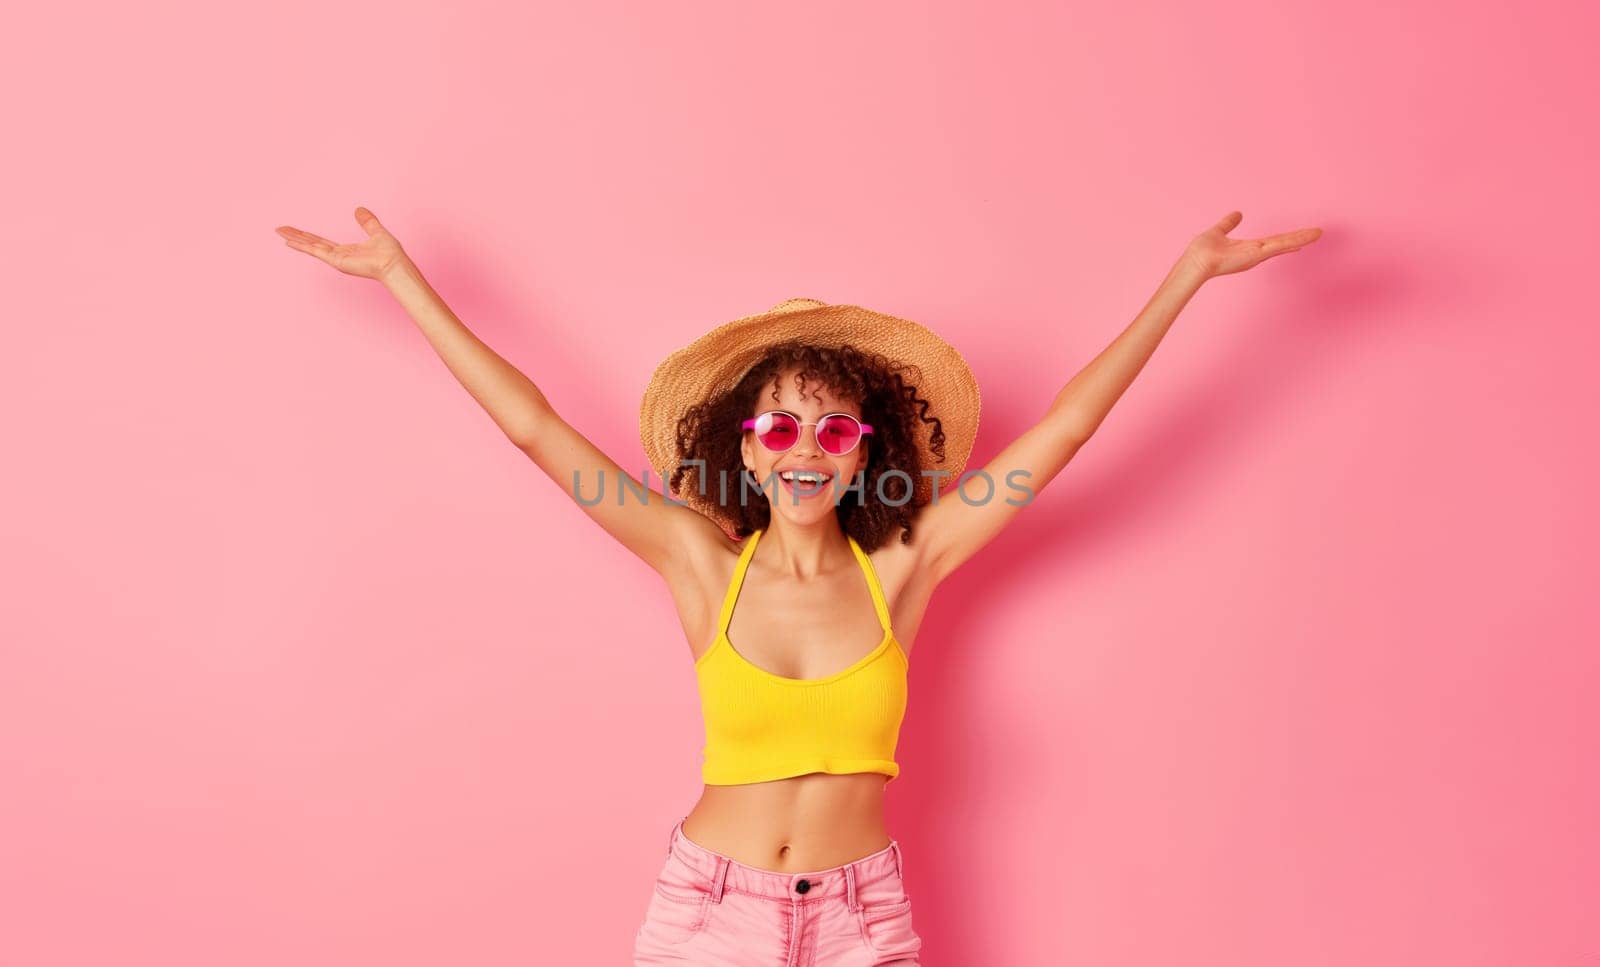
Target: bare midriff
(794, 825)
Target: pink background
(304, 664)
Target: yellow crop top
(761, 726)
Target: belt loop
(718, 879)
(851, 901)
(899, 861)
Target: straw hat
(719, 359)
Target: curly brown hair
(888, 401)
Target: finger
(299, 246)
(308, 243)
(369, 221)
(305, 237)
(312, 249)
(1286, 251)
(1275, 244)
(1229, 222)
(1304, 236)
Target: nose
(808, 432)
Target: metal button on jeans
(802, 886)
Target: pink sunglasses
(779, 431)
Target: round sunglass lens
(838, 433)
(777, 431)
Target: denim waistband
(723, 872)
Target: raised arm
(658, 531)
(960, 524)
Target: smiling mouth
(805, 487)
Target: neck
(805, 550)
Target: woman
(815, 432)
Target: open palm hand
(369, 258)
(1214, 253)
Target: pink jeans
(711, 910)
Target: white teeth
(811, 476)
